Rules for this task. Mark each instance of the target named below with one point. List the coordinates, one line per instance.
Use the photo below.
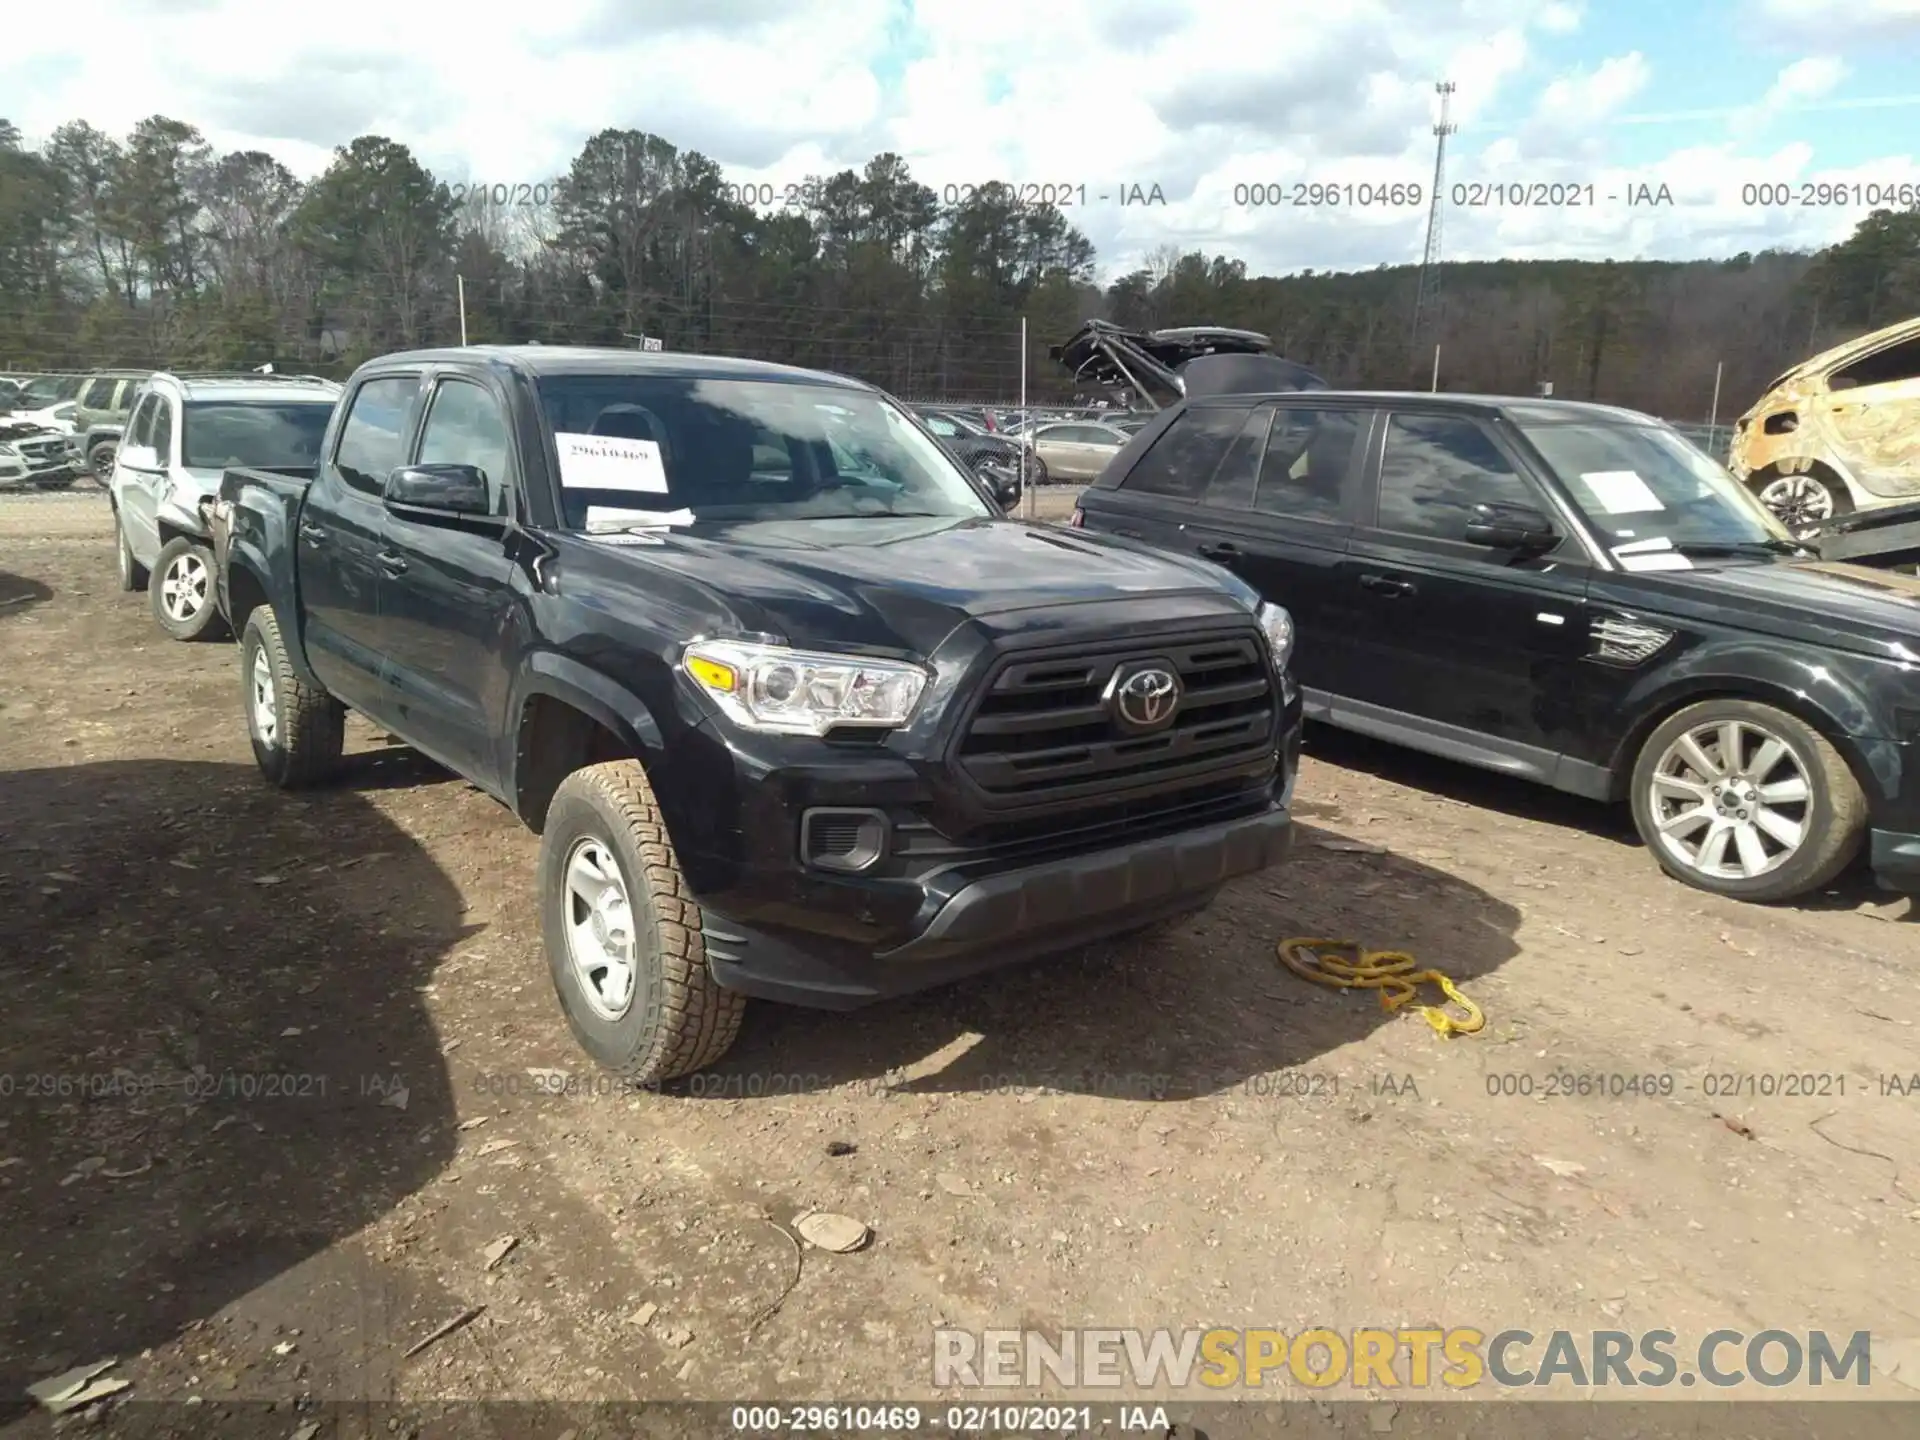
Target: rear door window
(1180, 465)
(373, 440)
(1304, 463)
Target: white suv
(183, 432)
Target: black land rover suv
(797, 712)
(1570, 593)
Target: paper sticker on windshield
(609, 519)
(1653, 560)
(1621, 492)
(610, 462)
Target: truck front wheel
(623, 932)
(298, 730)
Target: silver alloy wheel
(1731, 786)
(264, 711)
(1800, 502)
(183, 589)
(600, 930)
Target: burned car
(1837, 433)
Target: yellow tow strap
(1392, 972)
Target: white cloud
(1833, 22)
(1196, 96)
(1561, 19)
(1798, 84)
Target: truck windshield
(216, 434)
(1649, 494)
(745, 450)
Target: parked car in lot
(1837, 433)
(1076, 450)
(1568, 593)
(976, 447)
(102, 404)
(33, 454)
(184, 434)
(821, 731)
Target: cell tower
(1426, 300)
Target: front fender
(1826, 689)
(602, 699)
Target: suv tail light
(1078, 520)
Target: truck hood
(906, 584)
(1844, 607)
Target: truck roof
(537, 360)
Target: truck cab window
(465, 426)
(373, 439)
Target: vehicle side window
(162, 440)
(942, 426)
(1883, 367)
(1304, 467)
(1182, 461)
(89, 393)
(373, 440)
(140, 428)
(464, 427)
(123, 394)
(1436, 468)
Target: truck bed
(260, 507)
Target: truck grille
(1044, 728)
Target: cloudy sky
(1217, 102)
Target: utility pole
(1426, 300)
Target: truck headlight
(1277, 625)
(797, 692)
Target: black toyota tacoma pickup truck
(797, 712)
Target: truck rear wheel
(181, 588)
(623, 932)
(298, 730)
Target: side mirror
(139, 457)
(457, 490)
(1006, 490)
(1511, 527)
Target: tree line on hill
(152, 249)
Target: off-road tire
(206, 623)
(133, 575)
(679, 1020)
(312, 728)
(1836, 815)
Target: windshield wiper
(1707, 548)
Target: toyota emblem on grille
(1144, 697)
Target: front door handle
(1219, 550)
(1386, 585)
(1130, 534)
(313, 534)
(391, 563)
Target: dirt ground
(332, 1029)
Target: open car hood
(1163, 366)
